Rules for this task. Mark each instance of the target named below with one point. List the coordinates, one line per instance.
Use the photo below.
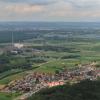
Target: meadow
(54, 47)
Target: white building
(18, 45)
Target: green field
(54, 50)
(88, 52)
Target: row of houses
(35, 80)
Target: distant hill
(85, 90)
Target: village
(37, 81)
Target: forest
(85, 90)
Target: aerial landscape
(49, 50)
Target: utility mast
(12, 40)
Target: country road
(29, 94)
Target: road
(29, 94)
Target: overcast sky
(50, 10)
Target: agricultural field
(48, 47)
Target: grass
(54, 65)
(88, 52)
(8, 96)
(9, 73)
(10, 78)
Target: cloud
(49, 10)
(69, 11)
(24, 8)
(35, 2)
(84, 3)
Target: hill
(85, 90)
